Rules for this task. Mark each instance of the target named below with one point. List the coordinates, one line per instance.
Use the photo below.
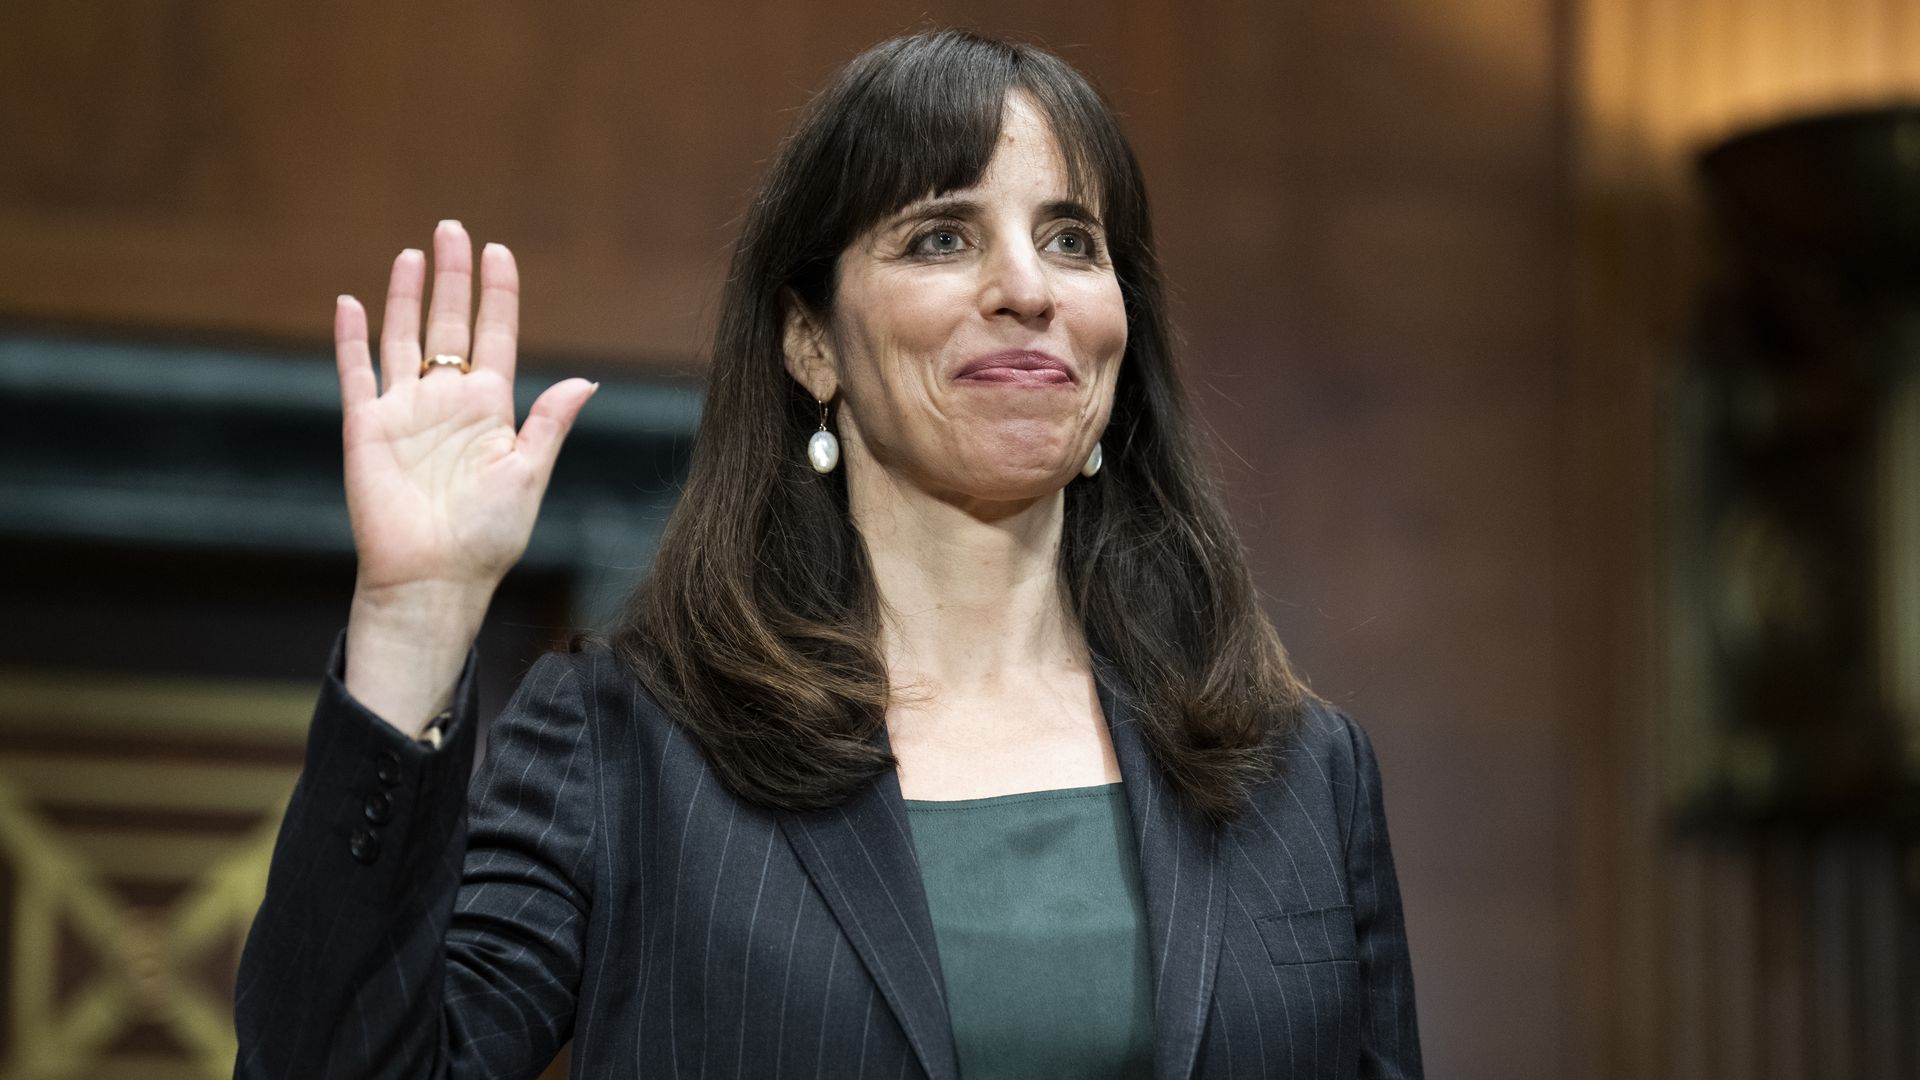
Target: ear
(805, 348)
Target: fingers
(400, 323)
(492, 340)
(452, 304)
(549, 421)
(351, 356)
(497, 329)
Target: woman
(945, 737)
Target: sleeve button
(387, 768)
(379, 808)
(364, 845)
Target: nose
(1015, 283)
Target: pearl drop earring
(1093, 462)
(823, 449)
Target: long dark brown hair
(758, 626)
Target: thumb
(549, 421)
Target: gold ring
(440, 360)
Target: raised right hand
(440, 488)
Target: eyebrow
(957, 206)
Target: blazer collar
(862, 860)
(1186, 904)
(860, 856)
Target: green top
(1041, 927)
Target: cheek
(893, 345)
(1102, 331)
(1102, 314)
(891, 340)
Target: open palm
(441, 489)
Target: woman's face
(976, 335)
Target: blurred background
(1560, 356)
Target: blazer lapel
(862, 860)
(1186, 903)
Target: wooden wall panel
(1360, 209)
(1758, 958)
(211, 165)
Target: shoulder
(592, 681)
(591, 664)
(1327, 752)
(1323, 736)
(583, 713)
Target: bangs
(920, 117)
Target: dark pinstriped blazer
(595, 881)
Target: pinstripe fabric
(593, 880)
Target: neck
(970, 592)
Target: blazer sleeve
(422, 919)
(1390, 1037)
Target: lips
(1018, 367)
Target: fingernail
(596, 389)
(491, 246)
(444, 222)
(412, 251)
(343, 298)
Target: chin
(1014, 491)
(1018, 478)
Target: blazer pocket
(1309, 937)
